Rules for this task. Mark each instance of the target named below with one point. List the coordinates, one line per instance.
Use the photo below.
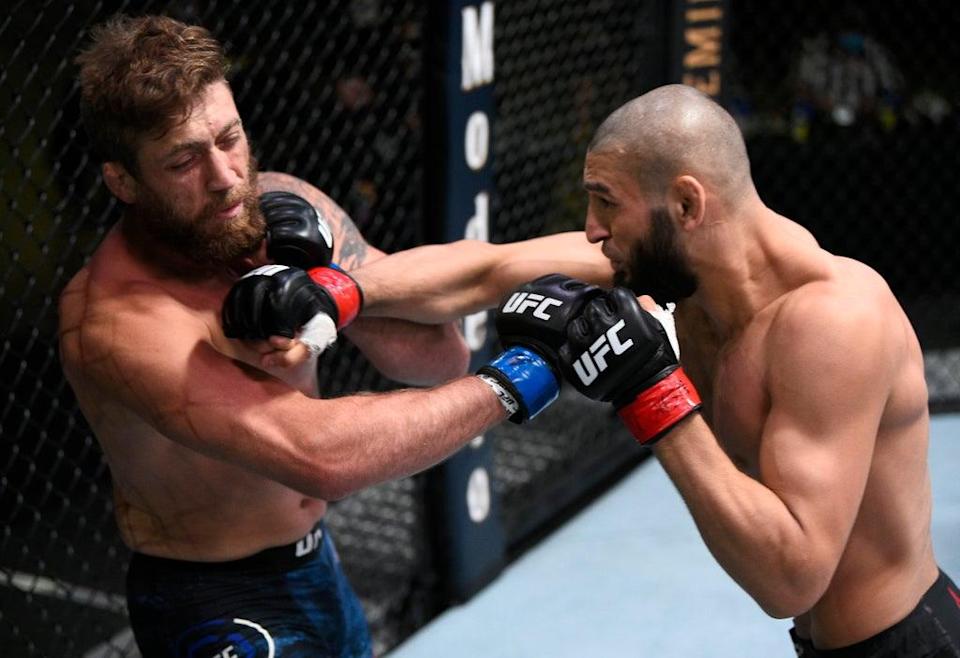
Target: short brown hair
(141, 76)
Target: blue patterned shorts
(282, 602)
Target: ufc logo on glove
(520, 302)
(592, 362)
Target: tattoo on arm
(350, 249)
(353, 248)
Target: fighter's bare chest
(739, 405)
(731, 377)
(203, 304)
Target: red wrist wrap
(344, 291)
(660, 407)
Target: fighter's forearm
(431, 283)
(440, 283)
(748, 528)
(353, 442)
(411, 352)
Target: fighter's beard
(208, 242)
(657, 266)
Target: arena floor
(629, 576)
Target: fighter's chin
(662, 294)
(621, 278)
(638, 286)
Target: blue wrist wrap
(529, 375)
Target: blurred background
(851, 118)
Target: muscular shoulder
(103, 323)
(849, 319)
(350, 248)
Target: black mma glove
(296, 233)
(298, 237)
(277, 300)
(532, 324)
(617, 352)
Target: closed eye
(229, 141)
(602, 201)
(182, 165)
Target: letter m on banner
(476, 59)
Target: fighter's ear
(120, 182)
(688, 199)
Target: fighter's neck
(751, 266)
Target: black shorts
(286, 601)
(931, 630)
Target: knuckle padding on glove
(621, 376)
(296, 233)
(532, 324)
(620, 353)
(537, 313)
(278, 304)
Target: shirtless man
(805, 465)
(222, 456)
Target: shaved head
(676, 130)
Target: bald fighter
(795, 426)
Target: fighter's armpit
(350, 249)
(72, 307)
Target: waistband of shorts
(288, 556)
(863, 647)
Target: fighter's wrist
(343, 289)
(527, 377)
(506, 399)
(654, 411)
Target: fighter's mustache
(245, 197)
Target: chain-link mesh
(328, 91)
(332, 92)
(562, 66)
(851, 115)
(350, 74)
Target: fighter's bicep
(350, 248)
(826, 394)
